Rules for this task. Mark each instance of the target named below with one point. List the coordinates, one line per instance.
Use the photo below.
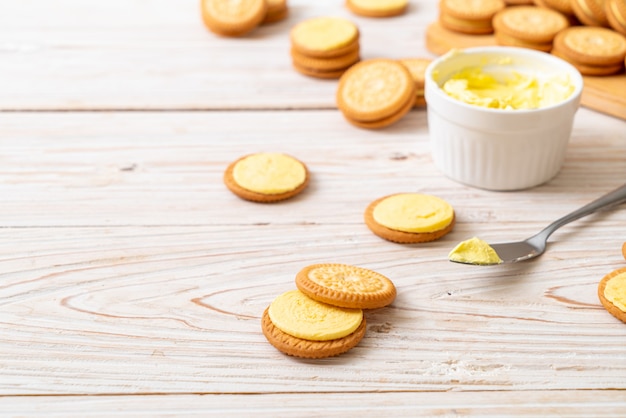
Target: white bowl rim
(577, 78)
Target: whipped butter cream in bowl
(500, 118)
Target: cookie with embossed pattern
(346, 286)
(375, 89)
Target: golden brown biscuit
(613, 309)
(310, 72)
(374, 89)
(616, 15)
(233, 18)
(346, 286)
(266, 177)
(417, 68)
(470, 17)
(529, 24)
(590, 70)
(440, 226)
(277, 10)
(563, 6)
(299, 347)
(590, 12)
(506, 40)
(592, 45)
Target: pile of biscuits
(375, 93)
(528, 27)
(232, 19)
(324, 316)
(589, 34)
(324, 47)
(472, 18)
(594, 51)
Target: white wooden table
(132, 281)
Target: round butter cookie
(325, 37)
(377, 8)
(469, 16)
(409, 218)
(529, 24)
(417, 69)
(563, 6)
(616, 15)
(277, 10)
(591, 45)
(346, 286)
(374, 89)
(233, 17)
(612, 293)
(300, 347)
(590, 12)
(266, 177)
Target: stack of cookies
(417, 68)
(469, 17)
(616, 15)
(324, 47)
(375, 93)
(594, 51)
(377, 8)
(324, 317)
(590, 12)
(528, 27)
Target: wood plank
(136, 54)
(607, 403)
(603, 94)
(126, 267)
(156, 168)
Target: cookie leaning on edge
(612, 293)
(266, 177)
(409, 218)
(346, 286)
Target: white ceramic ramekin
(498, 149)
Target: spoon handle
(615, 197)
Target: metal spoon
(512, 252)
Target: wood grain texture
(132, 281)
(137, 54)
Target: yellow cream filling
(413, 212)
(298, 315)
(508, 90)
(269, 173)
(615, 291)
(474, 251)
(324, 33)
